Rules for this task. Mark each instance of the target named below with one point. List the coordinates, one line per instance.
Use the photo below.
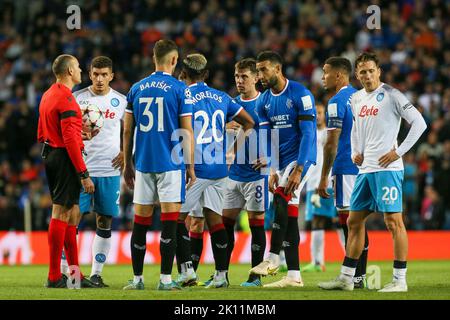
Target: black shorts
(63, 180)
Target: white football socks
(165, 278)
(341, 237)
(294, 274)
(400, 275)
(64, 264)
(100, 250)
(317, 246)
(274, 258)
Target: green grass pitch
(426, 280)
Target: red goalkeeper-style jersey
(60, 123)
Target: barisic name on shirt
(156, 84)
(281, 121)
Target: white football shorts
(251, 196)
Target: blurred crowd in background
(413, 45)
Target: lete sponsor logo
(366, 111)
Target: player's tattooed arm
(247, 123)
(273, 181)
(294, 179)
(329, 155)
(188, 147)
(128, 131)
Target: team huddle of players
(175, 154)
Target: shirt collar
(198, 84)
(161, 72)
(282, 91)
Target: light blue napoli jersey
(240, 170)
(212, 109)
(157, 103)
(339, 115)
(283, 111)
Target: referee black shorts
(63, 180)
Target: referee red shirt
(60, 123)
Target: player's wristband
(84, 174)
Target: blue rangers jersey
(157, 103)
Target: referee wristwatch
(84, 174)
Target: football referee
(60, 129)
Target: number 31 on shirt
(147, 113)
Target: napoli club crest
(380, 97)
(115, 102)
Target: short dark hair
(162, 48)
(102, 62)
(340, 63)
(367, 56)
(247, 63)
(61, 64)
(271, 56)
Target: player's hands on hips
(229, 157)
(190, 177)
(273, 181)
(293, 182)
(260, 163)
(233, 125)
(88, 185)
(322, 188)
(128, 174)
(117, 162)
(358, 159)
(388, 158)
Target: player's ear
(111, 76)
(278, 67)
(174, 60)
(70, 70)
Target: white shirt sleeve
(355, 140)
(408, 112)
